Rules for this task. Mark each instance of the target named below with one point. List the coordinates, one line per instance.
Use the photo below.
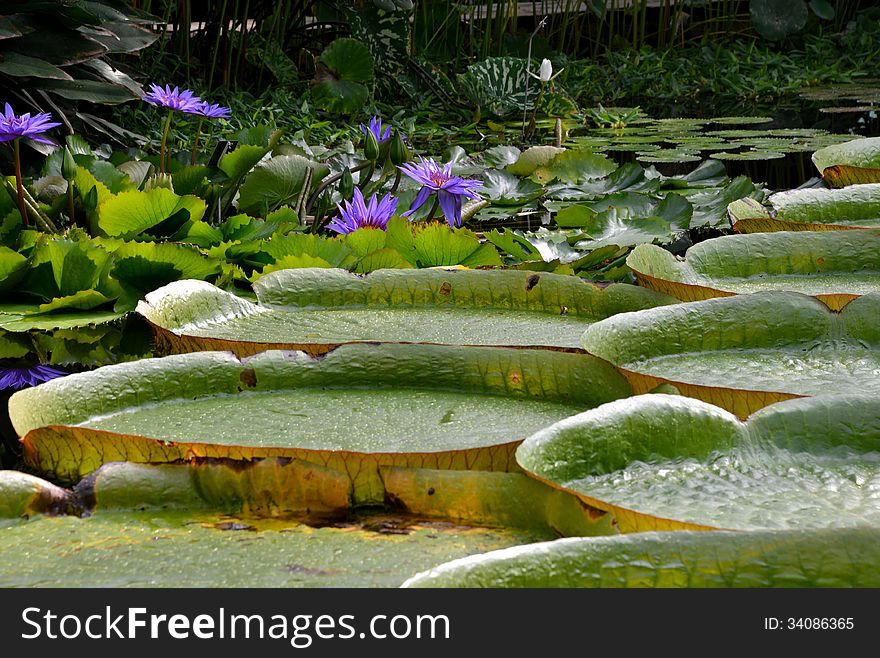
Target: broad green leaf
(746, 351)
(294, 262)
(627, 218)
(834, 266)
(357, 409)
(12, 268)
(316, 309)
(860, 152)
(574, 167)
(333, 251)
(276, 182)
(666, 462)
(365, 240)
(532, 158)
(27, 318)
(148, 265)
(382, 259)
(115, 180)
(855, 206)
(344, 70)
(14, 345)
(18, 65)
(92, 91)
(436, 244)
(503, 188)
(82, 300)
(763, 558)
(497, 85)
(239, 162)
(208, 550)
(62, 267)
(501, 156)
(159, 212)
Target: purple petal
(448, 205)
(419, 201)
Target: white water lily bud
(546, 70)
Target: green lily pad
(317, 309)
(746, 351)
(783, 558)
(749, 156)
(856, 206)
(834, 266)
(201, 549)
(354, 410)
(344, 71)
(662, 462)
(859, 152)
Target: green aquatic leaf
(316, 309)
(277, 182)
(158, 212)
(668, 462)
(356, 409)
(835, 266)
(201, 549)
(858, 152)
(746, 351)
(786, 558)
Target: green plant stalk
(396, 181)
(195, 150)
(326, 183)
(164, 139)
(365, 180)
(216, 47)
(433, 209)
(32, 208)
(19, 187)
(70, 206)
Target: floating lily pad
(661, 462)
(354, 410)
(317, 309)
(740, 121)
(859, 152)
(22, 495)
(814, 209)
(185, 549)
(756, 155)
(834, 266)
(747, 351)
(788, 558)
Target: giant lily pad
(764, 558)
(664, 462)
(812, 209)
(861, 153)
(317, 309)
(834, 266)
(747, 351)
(355, 410)
(201, 549)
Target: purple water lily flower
(375, 127)
(19, 378)
(450, 189)
(174, 99)
(215, 111)
(25, 125)
(357, 213)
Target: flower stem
(396, 182)
(164, 138)
(18, 184)
(70, 203)
(195, 150)
(433, 209)
(326, 183)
